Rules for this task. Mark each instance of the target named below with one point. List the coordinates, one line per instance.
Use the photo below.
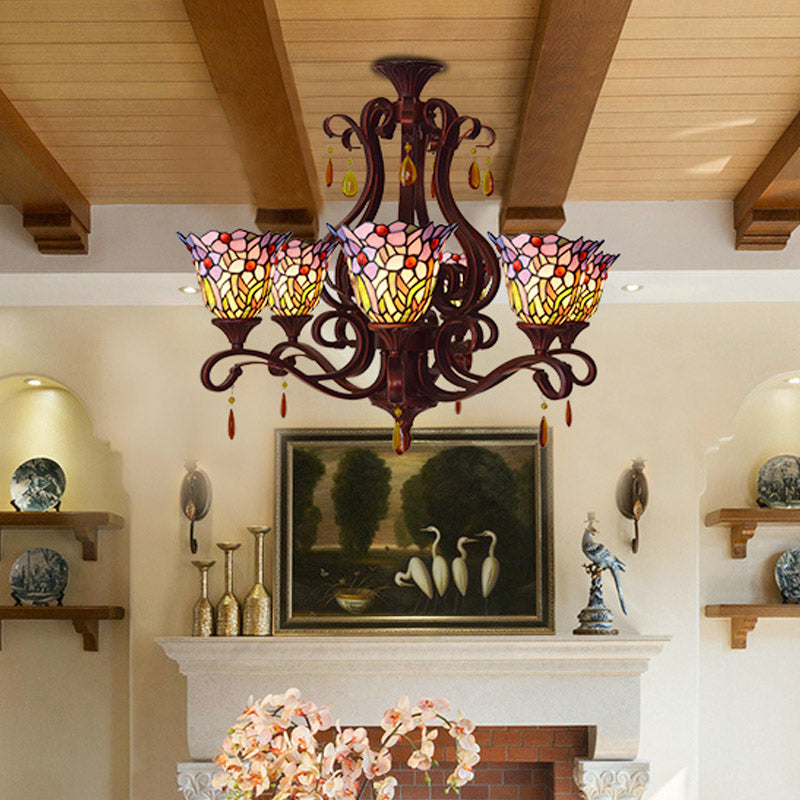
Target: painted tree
(307, 469)
(361, 499)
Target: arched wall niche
(56, 695)
(742, 697)
(766, 424)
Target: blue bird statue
(601, 556)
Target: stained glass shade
(232, 269)
(393, 268)
(550, 279)
(297, 276)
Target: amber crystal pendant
(408, 172)
(474, 173)
(350, 183)
(283, 399)
(488, 180)
(231, 419)
(568, 414)
(543, 432)
(329, 169)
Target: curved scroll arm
(283, 366)
(475, 288)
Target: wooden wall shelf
(84, 619)
(83, 524)
(744, 618)
(744, 521)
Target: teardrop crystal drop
(568, 414)
(231, 425)
(329, 173)
(543, 432)
(349, 184)
(474, 175)
(488, 183)
(408, 172)
(283, 404)
(458, 406)
(401, 439)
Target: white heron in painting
(439, 568)
(416, 574)
(459, 566)
(490, 569)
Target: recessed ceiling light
(794, 380)
(189, 289)
(632, 287)
(33, 382)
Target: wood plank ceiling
(118, 91)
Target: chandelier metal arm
(478, 284)
(363, 344)
(282, 366)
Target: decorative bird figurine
(439, 567)
(601, 556)
(416, 574)
(490, 569)
(459, 566)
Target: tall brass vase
(258, 603)
(203, 611)
(229, 614)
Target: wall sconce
(632, 495)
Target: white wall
(671, 378)
(670, 381)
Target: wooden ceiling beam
(572, 49)
(243, 48)
(54, 211)
(767, 209)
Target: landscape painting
(453, 535)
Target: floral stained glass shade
(297, 276)
(552, 280)
(393, 268)
(232, 269)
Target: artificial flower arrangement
(273, 751)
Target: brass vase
(203, 611)
(258, 603)
(229, 614)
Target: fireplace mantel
(496, 680)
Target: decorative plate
(39, 577)
(778, 482)
(37, 485)
(787, 575)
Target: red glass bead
(410, 262)
(560, 271)
(231, 425)
(249, 265)
(568, 414)
(458, 406)
(361, 258)
(225, 238)
(283, 404)
(304, 270)
(536, 241)
(543, 432)
(208, 262)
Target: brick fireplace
(518, 762)
(557, 718)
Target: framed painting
(454, 535)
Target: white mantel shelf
(496, 680)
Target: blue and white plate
(39, 577)
(37, 484)
(778, 482)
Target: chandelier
(401, 316)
